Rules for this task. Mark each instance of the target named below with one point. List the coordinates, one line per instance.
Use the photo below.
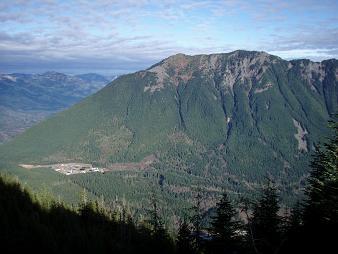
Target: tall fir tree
(265, 223)
(293, 231)
(155, 219)
(184, 241)
(163, 243)
(321, 206)
(196, 219)
(225, 228)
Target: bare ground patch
(144, 164)
(300, 136)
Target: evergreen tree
(155, 219)
(322, 204)
(160, 235)
(293, 231)
(226, 228)
(321, 207)
(265, 223)
(184, 239)
(296, 218)
(197, 220)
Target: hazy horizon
(108, 72)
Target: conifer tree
(265, 223)
(155, 219)
(321, 206)
(163, 243)
(293, 231)
(226, 228)
(296, 218)
(184, 239)
(197, 220)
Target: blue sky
(114, 37)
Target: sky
(115, 37)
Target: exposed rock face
(300, 136)
(177, 66)
(229, 68)
(263, 89)
(321, 78)
(311, 72)
(245, 69)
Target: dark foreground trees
(28, 225)
(184, 241)
(265, 224)
(314, 226)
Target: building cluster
(75, 168)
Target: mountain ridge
(222, 121)
(26, 99)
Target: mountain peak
(230, 67)
(8, 77)
(248, 52)
(53, 73)
(178, 55)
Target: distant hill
(26, 99)
(213, 121)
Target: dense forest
(35, 222)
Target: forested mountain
(26, 99)
(31, 222)
(214, 121)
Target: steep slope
(26, 99)
(228, 120)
